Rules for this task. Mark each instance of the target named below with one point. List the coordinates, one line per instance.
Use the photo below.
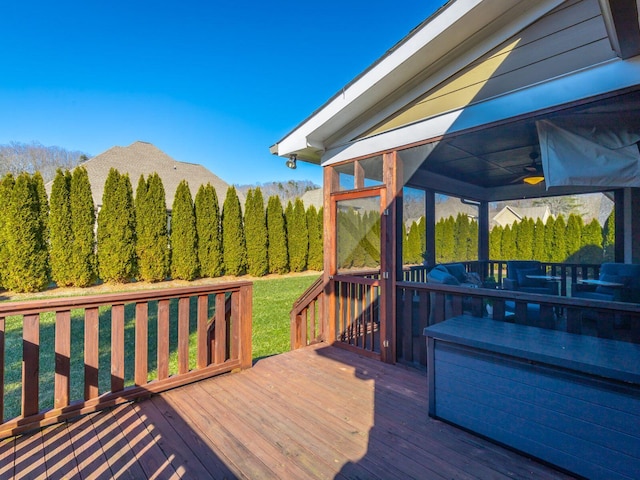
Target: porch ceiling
(493, 161)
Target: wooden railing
(307, 315)
(82, 354)
(422, 304)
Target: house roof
(472, 80)
(142, 158)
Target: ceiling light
(533, 179)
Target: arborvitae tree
(559, 240)
(209, 228)
(472, 243)
(508, 245)
(184, 239)
(448, 241)
(538, 252)
(152, 245)
(414, 251)
(27, 266)
(61, 230)
(298, 235)
(524, 239)
(234, 246)
(83, 220)
(439, 235)
(549, 236)
(495, 239)
(278, 253)
(461, 246)
(609, 238)
(6, 188)
(255, 227)
(573, 237)
(314, 261)
(117, 230)
(515, 231)
(591, 250)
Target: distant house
(509, 215)
(142, 158)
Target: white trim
(601, 79)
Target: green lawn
(272, 301)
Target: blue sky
(214, 83)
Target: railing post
(62, 359)
(30, 364)
(246, 315)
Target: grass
(272, 300)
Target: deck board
(319, 412)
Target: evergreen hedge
(298, 235)
(209, 230)
(61, 230)
(184, 241)
(84, 261)
(234, 246)
(314, 225)
(277, 245)
(152, 245)
(117, 230)
(255, 227)
(6, 188)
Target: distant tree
(508, 244)
(495, 239)
(255, 227)
(117, 230)
(538, 252)
(34, 157)
(591, 248)
(559, 252)
(234, 246)
(414, 252)
(524, 239)
(278, 252)
(314, 225)
(609, 238)
(209, 228)
(184, 241)
(6, 188)
(27, 266)
(549, 236)
(61, 245)
(83, 220)
(152, 245)
(298, 235)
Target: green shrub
(298, 235)
(208, 227)
(152, 245)
(83, 220)
(277, 244)
(255, 225)
(184, 241)
(60, 230)
(117, 230)
(314, 226)
(234, 246)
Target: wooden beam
(331, 185)
(621, 20)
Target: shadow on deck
(317, 412)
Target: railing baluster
(62, 359)
(30, 363)
(163, 339)
(183, 335)
(117, 348)
(221, 329)
(235, 327)
(141, 343)
(91, 353)
(203, 317)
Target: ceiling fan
(533, 173)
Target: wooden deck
(318, 412)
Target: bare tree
(17, 157)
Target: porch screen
(358, 234)
(576, 152)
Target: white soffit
(601, 79)
(429, 44)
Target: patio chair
(518, 272)
(626, 274)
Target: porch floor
(317, 412)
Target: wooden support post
(163, 339)
(62, 382)
(331, 185)
(30, 364)
(141, 345)
(245, 316)
(91, 352)
(117, 348)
